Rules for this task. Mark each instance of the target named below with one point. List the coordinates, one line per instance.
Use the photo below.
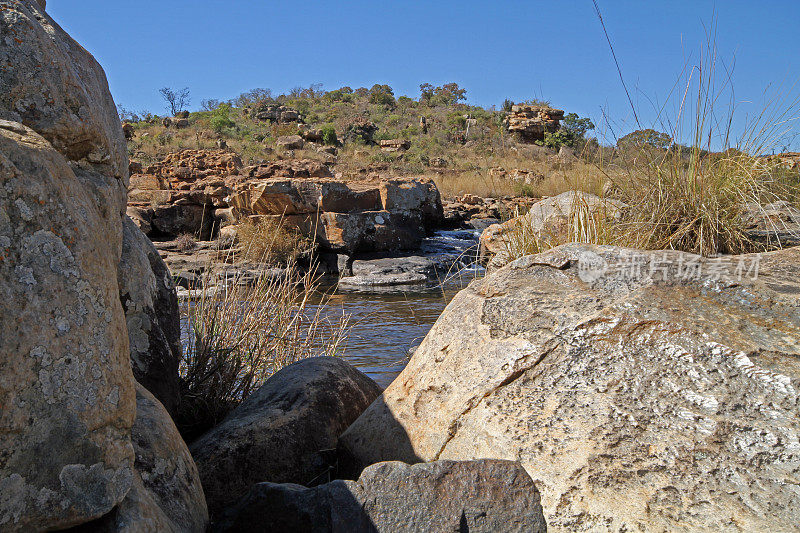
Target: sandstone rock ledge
(635, 400)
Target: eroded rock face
(347, 216)
(531, 122)
(635, 398)
(66, 387)
(476, 496)
(276, 433)
(55, 87)
(148, 297)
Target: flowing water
(386, 326)
(388, 323)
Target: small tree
(220, 118)
(177, 99)
(210, 104)
(649, 137)
(572, 132)
(447, 94)
(329, 135)
(381, 94)
(507, 105)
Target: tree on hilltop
(177, 99)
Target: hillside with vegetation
(465, 148)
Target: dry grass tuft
(246, 331)
(268, 238)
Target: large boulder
(475, 496)
(290, 142)
(54, 86)
(346, 216)
(641, 390)
(276, 434)
(66, 387)
(166, 495)
(148, 297)
(550, 221)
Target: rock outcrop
(278, 432)
(640, 390)
(66, 388)
(151, 309)
(476, 496)
(551, 221)
(277, 113)
(531, 122)
(290, 142)
(395, 145)
(347, 216)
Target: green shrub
(220, 118)
(329, 135)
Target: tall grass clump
(244, 330)
(583, 221)
(269, 239)
(701, 197)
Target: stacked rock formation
(277, 113)
(197, 191)
(347, 216)
(187, 191)
(531, 122)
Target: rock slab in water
(633, 402)
(475, 496)
(148, 296)
(276, 434)
(166, 495)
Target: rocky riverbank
(91, 337)
(583, 388)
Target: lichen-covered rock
(66, 388)
(166, 467)
(476, 496)
(276, 434)
(640, 390)
(148, 297)
(166, 494)
(54, 86)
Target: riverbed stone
(638, 399)
(276, 434)
(147, 292)
(477, 496)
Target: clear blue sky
(553, 50)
